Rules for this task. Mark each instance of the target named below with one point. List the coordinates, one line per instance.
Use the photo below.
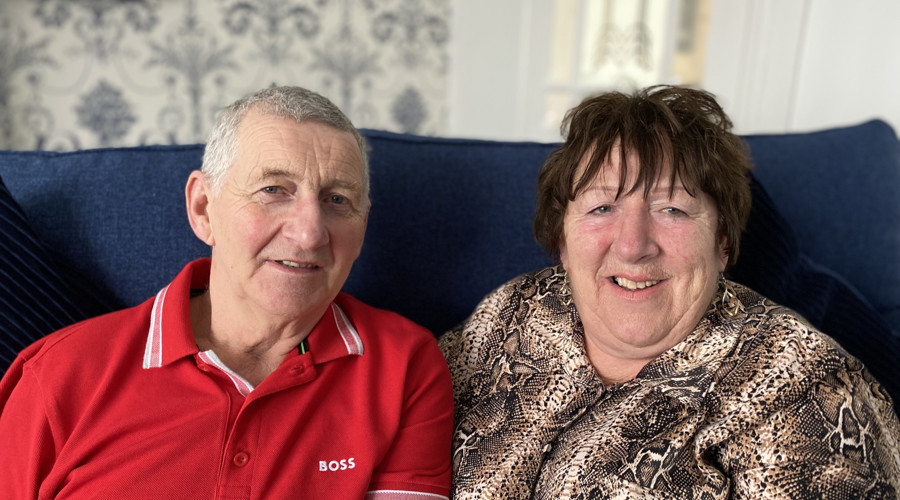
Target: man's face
(290, 219)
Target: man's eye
(271, 190)
(337, 199)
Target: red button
(241, 459)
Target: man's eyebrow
(269, 173)
(275, 172)
(346, 184)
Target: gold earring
(731, 305)
(564, 293)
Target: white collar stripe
(348, 333)
(240, 383)
(401, 495)
(153, 350)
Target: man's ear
(197, 196)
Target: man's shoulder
(90, 342)
(380, 326)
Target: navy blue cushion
(450, 221)
(770, 262)
(116, 215)
(838, 189)
(37, 295)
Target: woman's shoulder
(780, 334)
(509, 318)
(520, 297)
(780, 350)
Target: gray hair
(295, 103)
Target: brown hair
(661, 125)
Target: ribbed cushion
(838, 189)
(36, 296)
(770, 262)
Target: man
(250, 375)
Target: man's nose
(306, 225)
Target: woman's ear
(563, 255)
(724, 251)
(197, 197)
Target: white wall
(498, 59)
(776, 65)
(800, 65)
(850, 64)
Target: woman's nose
(634, 236)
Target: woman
(634, 369)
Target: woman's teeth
(633, 285)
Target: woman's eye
(602, 209)
(271, 190)
(673, 211)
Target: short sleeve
(418, 461)
(26, 438)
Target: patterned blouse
(754, 403)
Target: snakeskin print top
(754, 403)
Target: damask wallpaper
(78, 74)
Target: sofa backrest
(451, 220)
(840, 190)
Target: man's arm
(27, 446)
(418, 462)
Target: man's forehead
(275, 146)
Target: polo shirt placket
(242, 432)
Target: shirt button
(241, 459)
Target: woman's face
(642, 270)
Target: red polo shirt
(125, 406)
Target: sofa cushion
(100, 208)
(844, 204)
(476, 200)
(37, 296)
(771, 262)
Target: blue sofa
(89, 231)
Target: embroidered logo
(336, 465)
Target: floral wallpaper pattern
(78, 74)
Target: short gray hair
(295, 103)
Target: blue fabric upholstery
(36, 295)
(451, 220)
(840, 188)
(770, 262)
(116, 215)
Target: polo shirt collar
(334, 336)
(170, 336)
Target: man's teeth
(633, 285)
(289, 263)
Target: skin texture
(673, 240)
(294, 194)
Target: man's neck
(247, 349)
